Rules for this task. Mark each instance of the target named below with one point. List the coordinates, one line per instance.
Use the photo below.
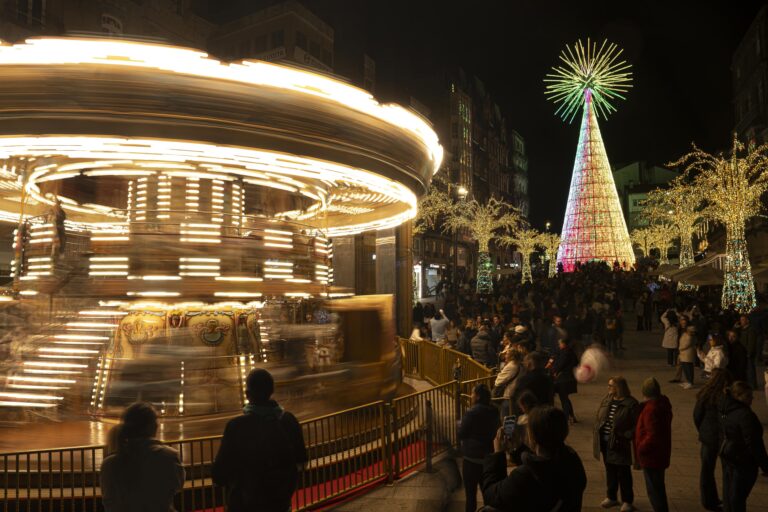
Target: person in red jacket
(653, 442)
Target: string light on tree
(484, 222)
(591, 78)
(732, 185)
(663, 238)
(525, 240)
(550, 242)
(641, 237)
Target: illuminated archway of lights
(331, 186)
(187, 61)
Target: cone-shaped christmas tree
(594, 226)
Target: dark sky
(680, 50)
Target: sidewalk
(644, 357)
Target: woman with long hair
(707, 420)
(743, 450)
(143, 473)
(612, 438)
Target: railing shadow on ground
(349, 450)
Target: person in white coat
(669, 341)
(715, 357)
(506, 380)
(687, 349)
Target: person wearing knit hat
(653, 442)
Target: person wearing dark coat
(653, 442)
(551, 477)
(536, 379)
(565, 381)
(482, 347)
(706, 417)
(737, 357)
(743, 450)
(261, 451)
(612, 438)
(418, 313)
(752, 342)
(476, 432)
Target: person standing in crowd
(463, 341)
(669, 341)
(612, 438)
(438, 325)
(687, 351)
(142, 473)
(640, 311)
(536, 379)
(418, 313)
(476, 432)
(743, 450)
(482, 347)
(706, 417)
(553, 333)
(261, 451)
(451, 335)
(749, 339)
(715, 358)
(653, 442)
(504, 386)
(565, 381)
(611, 332)
(737, 356)
(551, 477)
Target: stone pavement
(644, 357)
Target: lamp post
(461, 194)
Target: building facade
(633, 182)
(749, 71)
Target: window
(301, 40)
(278, 39)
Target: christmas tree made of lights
(589, 79)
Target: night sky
(680, 50)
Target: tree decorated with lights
(526, 240)
(484, 222)
(550, 242)
(641, 237)
(732, 184)
(662, 237)
(591, 79)
(434, 205)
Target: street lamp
(461, 193)
(547, 226)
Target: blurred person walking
(141, 474)
(476, 432)
(706, 417)
(743, 450)
(653, 442)
(565, 381)
(261, 451)
(612, 438)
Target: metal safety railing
(348, 450)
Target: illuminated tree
(525, 240)
(484, 222)
(436, 203)
(732, 185)
(591, 78)
(662, 237)
(550, 242)
(682, 206)
(641, 237)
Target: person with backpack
(551, 477)
(261, 451)
(140, 473)
(743, 449)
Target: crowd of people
(532, 336)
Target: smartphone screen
(509, 425)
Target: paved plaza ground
(644, 357)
